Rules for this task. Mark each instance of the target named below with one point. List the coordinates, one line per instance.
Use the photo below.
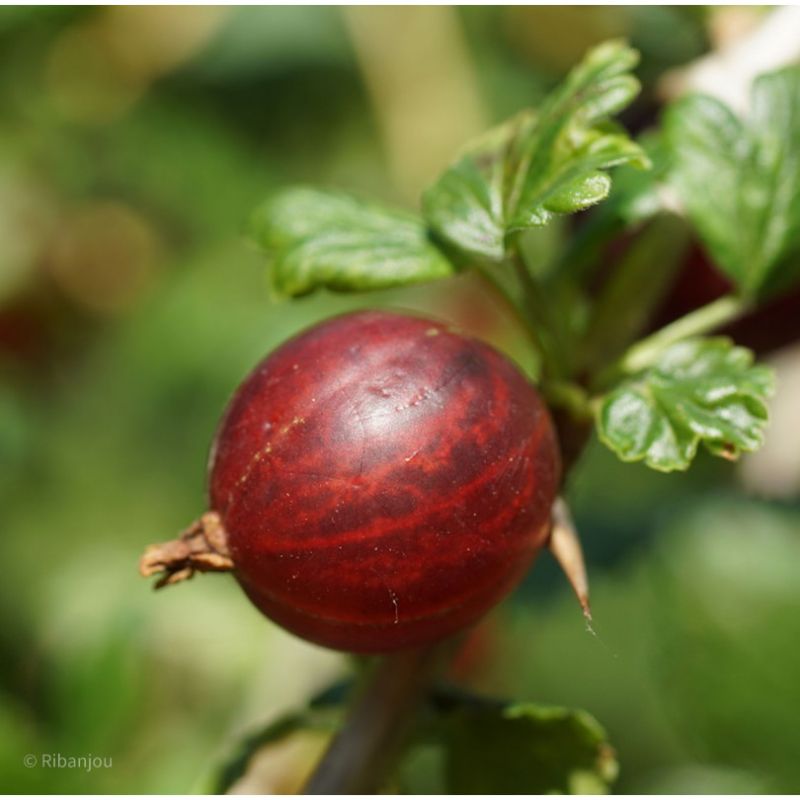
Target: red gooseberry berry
(378, 482)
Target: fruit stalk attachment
(366, 747)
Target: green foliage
(699, 390)
(527, 749)
(635, 196)
(466, 206)
(540, 163)
(319, 239)
(694, 673)
(734, 650)
(740, 179)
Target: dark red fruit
(383, 481)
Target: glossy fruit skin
(383, 481)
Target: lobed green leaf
(539, 164)
(700, 390)
(317, 239)
(739, 180)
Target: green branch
(646, 352)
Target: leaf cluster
(737, 182)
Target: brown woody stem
(366, 748)
(202, 547)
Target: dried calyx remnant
(202, 547)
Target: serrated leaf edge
(767, 376)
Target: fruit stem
(367, 746)
(537, 312)
(568, 395)
(521, 316)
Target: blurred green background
(134, 142)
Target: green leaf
(539, 164)
(466, 206)
(318, 239)
(527, 749)
(699, 390)
(739, 180)
(558, 163)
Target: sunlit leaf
(700, 390)
(316, 239)
(739, 180)
(538, 164)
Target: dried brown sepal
(565, 547)
(202, 547)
